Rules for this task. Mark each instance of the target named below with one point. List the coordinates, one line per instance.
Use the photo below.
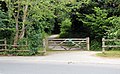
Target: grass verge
(110, 54)
(26, 53)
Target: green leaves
(42, 13)
(98, 22)
(115, 29)
(3, 19)
(65, 28)
(76, 18)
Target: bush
(95, 45)
(34, 39)
(8, 34)
(65, 28)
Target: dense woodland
(31, 20)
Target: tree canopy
(30, 19)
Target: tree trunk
(24, 19)
(17, 24)
(17, 33)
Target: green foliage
(76, 18)
(40, 17)
(98, 20)
(15, 53)
(22, 41)
(42, 13)
(35, 40)
(65, 28)
(3, 19)
(95, 45)
(113, 32)
(6, 30)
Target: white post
(103, 45)
(88, 43)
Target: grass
(21, 53)
(110, 54)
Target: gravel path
(64, 57)
(81, 57)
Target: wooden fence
(4, 46)
(104, 45)
(68, 43)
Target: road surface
(7, 67)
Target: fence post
(45, 44)
(5, 43)
(103, 45)
(88, 43)
(26, 44)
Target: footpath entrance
(67, 43)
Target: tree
(18, 9)
(41, 16)
(6, 28)
(98, 22)
(114, 31)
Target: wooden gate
(68, 43)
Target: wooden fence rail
(75, 42)
(4, 45)
(104, 45)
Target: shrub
(95, 45)
(65, 28)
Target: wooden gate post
(45, 44)
(88, 43)
(103, 44)
(46, 41)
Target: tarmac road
(7, 67)
(72, 62)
